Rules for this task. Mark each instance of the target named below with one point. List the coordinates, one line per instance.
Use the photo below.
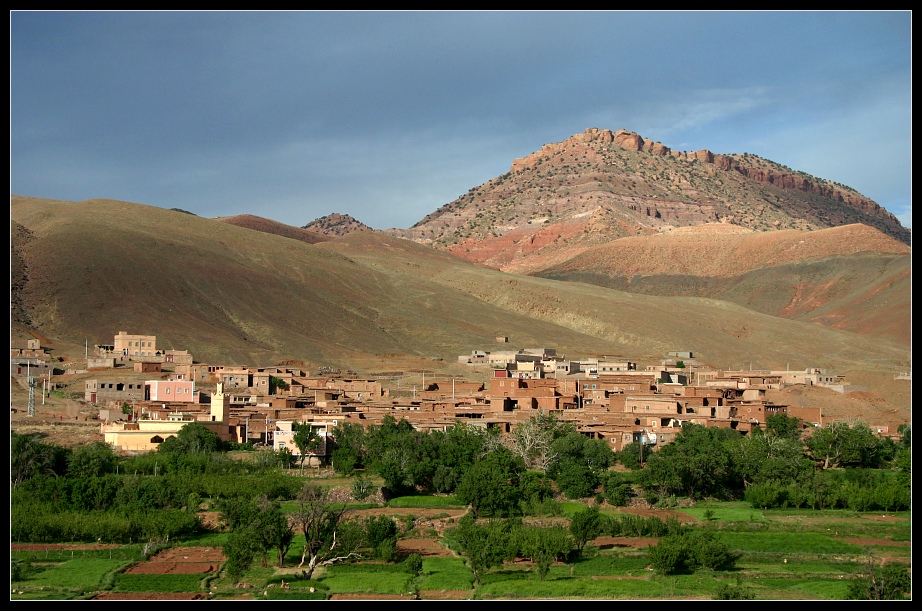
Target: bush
(19, 569)
(381, 536)
(766, 495)
(710, 553)
(619, 495)
(889, 582)
(688, 549)
(344, 460)
(413, 564)
(669, 555)
(362, 488)
(726, 591)
(576, 481)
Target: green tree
(634, 455)
(400, 454)
(240, 550)
(902, 463)
(236, 512)
(348, 447)
(381, 536)
(307, 439)
(616, 489)
(579, 464)
(905, 431)
(586, 525)
(485, 546)
(726, 591)
(535, 487)
(696, 464)
(344, 460)
(30, 456)
(272, 530)
(193, 438)
(782, 425)
(413, 564)
(761, 457)
(91, 460)
(458, 447)
(841, 444)
(491, 486)
(669, 555)
(276, 384)
(891, 581)
(575, 480)
(544, 545)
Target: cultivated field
(785, 555)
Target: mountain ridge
(599, 186)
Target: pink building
(172, 391)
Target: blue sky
(388, 115)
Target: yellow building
(147, 435)
(135, 345)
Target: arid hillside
(851, 277)
(235, 295)
(259, 223)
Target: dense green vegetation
(774, 517)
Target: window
(167, 391)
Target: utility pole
(31, 382)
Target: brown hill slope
(852, 277)
(233, 295)
(640, 325)
(725, 250)
(258, 223)
(599, 186)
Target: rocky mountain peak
(601, 185)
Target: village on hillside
(607, 398)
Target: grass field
(784, 555)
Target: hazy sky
(388, 115)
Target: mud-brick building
(113, 390)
